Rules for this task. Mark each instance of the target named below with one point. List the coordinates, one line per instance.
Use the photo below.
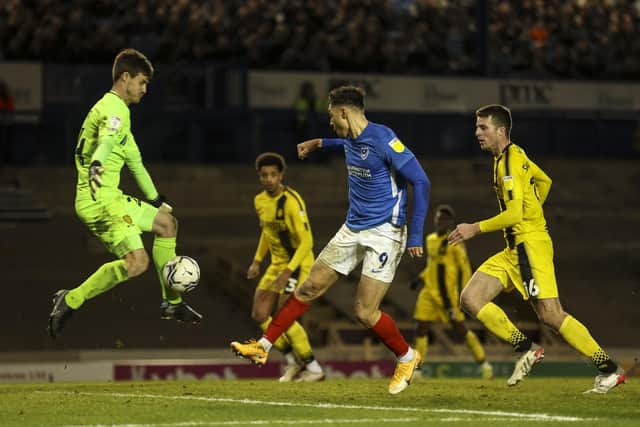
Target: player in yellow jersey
(447, 269)
(286, 235)
(105, 145)
(526, 264)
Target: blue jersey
(377, 194)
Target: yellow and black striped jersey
(448, 268)
(286, 232)
(521, 186)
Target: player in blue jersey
(380, 169)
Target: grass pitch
(432, 402)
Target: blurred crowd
(592, 39)
(544, 38)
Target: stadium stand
(552, 38)
(20, 205)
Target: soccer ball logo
(182, 273)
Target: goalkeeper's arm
(142, 177)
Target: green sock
(105, 278)
(164, 250)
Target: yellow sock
(299, 342)
(496, 321)
(472, 341)
(282, 343)
(578, 336)
(422, 343)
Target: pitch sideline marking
(258, 422)
(500, 414)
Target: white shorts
(381, 248)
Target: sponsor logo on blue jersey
(359, 172)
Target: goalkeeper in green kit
(105, 145)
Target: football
(182, 273)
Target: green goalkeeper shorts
(118, 222)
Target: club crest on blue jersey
(364, 152)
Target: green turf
(432, 402)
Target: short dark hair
(352, 96)
(270, 159)
(446, 209)
(500, 116)
(133, 62)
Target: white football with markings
(182, 274)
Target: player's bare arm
(254, 270)
(463, 232)
(309, 146)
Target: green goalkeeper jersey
(106, 137)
